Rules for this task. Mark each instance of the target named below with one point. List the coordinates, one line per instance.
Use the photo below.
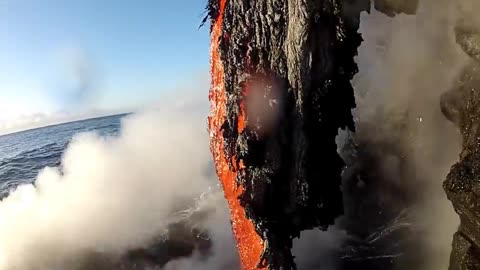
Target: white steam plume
(114, 194)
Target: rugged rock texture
(461, 105)
(288, 66)
(281, 90)
(462, 186)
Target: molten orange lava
(250, 245)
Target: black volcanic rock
(295, 60)
(461, 106)
(288, 66)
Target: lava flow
(249, 244)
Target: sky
(62, 59)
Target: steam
(405, 64)
(115, 194)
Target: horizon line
(63, 123)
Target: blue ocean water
(24, 154)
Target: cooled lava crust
(281, 90)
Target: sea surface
(24, 154)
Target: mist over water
(24, 154)
(117, 193)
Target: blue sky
(70, 55)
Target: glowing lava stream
(250, 245)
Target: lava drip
(281, 72)
(250, 245)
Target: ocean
(23, 154)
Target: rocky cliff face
(461, 106)
(288, 66)
(281, 90)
